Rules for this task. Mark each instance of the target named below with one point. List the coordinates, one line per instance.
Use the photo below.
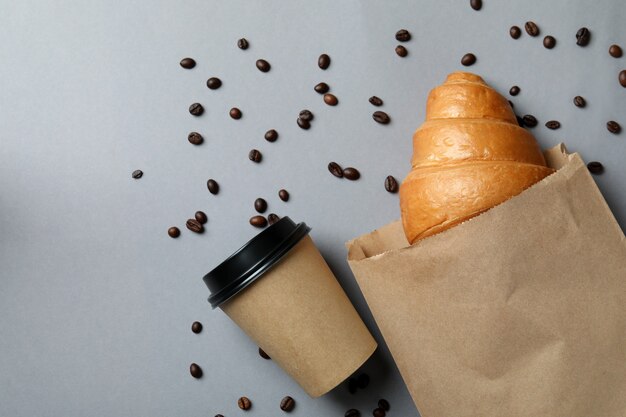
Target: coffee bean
(529, 120)
(375, 101)
(195, 138)
(549, 42)
(283, 194)
(323, 61)
(352, 386)
(201, 217)
(622, 78)
(213, 186)
(579, 101)
(263, 354)
(137, 174)
(353, 412)
(196, 109)
(263, 65)
(258, 221)
(391, 185)
(235, 113)
(615, 51)
(514, 90)
(243, 44)
(363, 380)
(351, 174)
(214, 83)
(335, 169)
(303, 124)
(531, 28)
(330, 99)
(582, 36)
(306, 115)
(219, 415)
(255, 156)
(188, 63)
(384, 404)
(515, 32)
(271, 135)
(260, 205)
(287, 404)
(378, 412)
(553, 124)
(468, 59)
(321, 88)
(194, 225)
(195, 371)
(595, 167)
(381, 117)
(403, 35)
(476, 4)
(196, 327)
(173, 232)
(401, 51)
(244, 403)
(613, 127)
(272, 218)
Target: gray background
(96, 300)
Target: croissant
(468, 156)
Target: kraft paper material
(519, 312)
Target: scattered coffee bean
(260, 205)
(529, 120)
(363, 380)
(287, 404)
(195, 138)
(194, 225)
(214, 83)
(271, 135)
(201, 217)
(243, 44)
(520, 121)
(384, 404)
(514, 90)
(263, 65)
(263, 354)
(306, 115)
(255, 156)
(403, 35)
(258, 221)
(351, 174)
(235, 113)
(532, 29)
(378, 412)
(622, 78)
(401, 51)
(579, 101)
(553, 124)
(283, 194)
(595, 167)
(188, 63)
(353, 412)
(195, 371)
(549, 42)
(330, 99)
(196, 327)
(391, 185)
(335, 169)
(613, 127)
(213, 186)
(219, 415)
(468, 59)
(137, 174)
(375, 101)
(272, 218)
(615, 51)
(515, 32)
(244, 403)
(321, 88)
(381, 117)
(173, 232)
(303, 123)
(582, 36)
(323, 61)
(352, 386)
(196, 109)
(476, 4)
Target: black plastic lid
(253, 259)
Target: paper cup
(280, 291)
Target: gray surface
(96, 301)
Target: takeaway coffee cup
(280, 291)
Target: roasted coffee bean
(196, 109)
(553, 124)
(529, 120)
(351, 174)
(244, 403)
(615, 51)
(258, 221)
(272, 218)
(335, 169)
(137, 174)
(195, 371)
(196, 327)
(195, 138)
(403, 35)
(384, 404)
(263, 65)
(303, 124)
(520, 121)
(321, 88)
(263, 354)
(378, 412)
(391, 185)
(188, 63)
(595, 167)
(549, 42)
(271, 135)
(219, 415)
(476, 4)
(622, 78)
(173, 232)
(243, 44)
(287, 404)
(330, 99)
(375, 101)
(283, 194)
(260, 205)
(515, 32)
(235, 113)
(401, 51)
(306, 115)
(468, 59)
(213, 186)
(201, 217)
(323, 61)
(353, 412)
(514, 90)
(381, 117)
(579, 101)
(531, 28)
(363, 380)
(194, 225)
(255, 156)
(582, 36)
(613, 127)
(352, 387)
(214, 83)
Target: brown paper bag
(520, 311)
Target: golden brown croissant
(468, 156)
